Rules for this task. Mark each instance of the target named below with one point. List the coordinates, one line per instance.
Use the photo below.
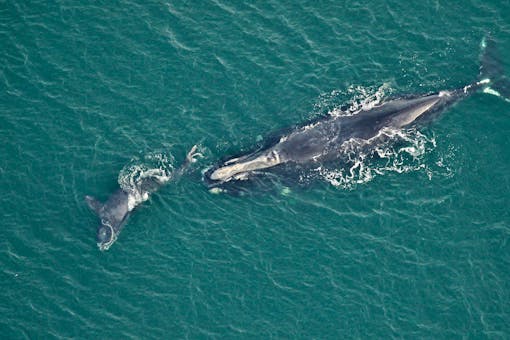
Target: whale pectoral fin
(94, 204)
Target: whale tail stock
(492, 70)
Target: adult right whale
(323, 140)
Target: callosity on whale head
(236, 169)
(106, 236)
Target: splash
(400, 151)
(144, 175)
(351, 101)
(392, 151)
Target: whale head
(236, 168)
(105, 236)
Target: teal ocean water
(412, 244)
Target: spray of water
(144, 175)
(401, 151)
(351, 101)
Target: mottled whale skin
(324, 139)
(115, 212)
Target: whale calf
(115, 212)
(323, 140)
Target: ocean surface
(413, 242)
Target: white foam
(365, 163)
(362, 99)
(399, 151)
(132, 202)
(136, 175)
